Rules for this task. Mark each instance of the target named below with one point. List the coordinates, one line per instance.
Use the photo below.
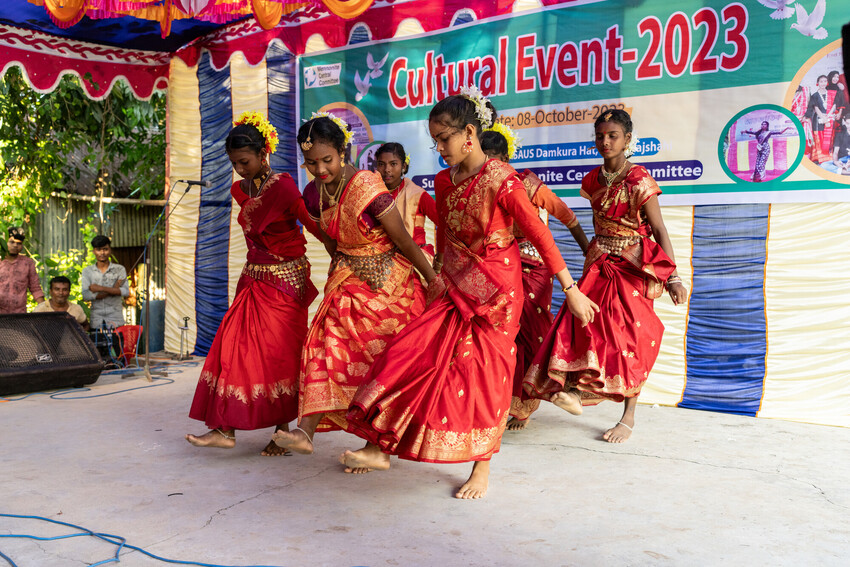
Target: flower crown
(265, 127)
(510, 136)
(474, 94)
(343, 125)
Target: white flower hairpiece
(510, 136)
(632, 147)
(474, 94)
(343, 125)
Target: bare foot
(619, 433)
(476, 485)
(570, 401)
(213, 438)
(272, 450)
(297, 441)
(365, 460)
(516, 424)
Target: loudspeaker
(45, 351)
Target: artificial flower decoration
(254, 118)
(473, 93)
(510, 136)
(343, 125)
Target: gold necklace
(331, 199)
(610, 177)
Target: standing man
(60, 289)
(105, 285)
(17, 275)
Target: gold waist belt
(372, 270)
(615, 245)
(293, 273)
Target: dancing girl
(372, 291)
(250, 376)
(628, 263)
(442, 391)
(762, 137)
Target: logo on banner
(322, 75)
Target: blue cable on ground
(118, 541)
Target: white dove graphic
(362, 85)
(810, 24)
(780, 7)
(375, 68)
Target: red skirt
(441, 392)
(611, 357)
(535, 323)
(250, 376)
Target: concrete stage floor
(689, 488)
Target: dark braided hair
(397, 150)
(617, 116)
(494, 143)
(245, 136)
(324, 130)
(456, 111)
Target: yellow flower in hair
(343, 125)
(510, 136)
(265, 127)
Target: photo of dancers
(761, 144)
(819, 101)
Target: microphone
(206, 184)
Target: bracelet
(566, 289)
(674, 279)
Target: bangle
(569, 287)
(674, 279)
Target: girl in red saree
(250, 376)
(442, 391)
(372, 291)
(536, 281)
(413, 202)
(624, 271)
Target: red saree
(250, 376)
(537, 285)
(372, 292)
(442, 390)
(624, 271)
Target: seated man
(60, 289)
(105, 285)
(17, 275)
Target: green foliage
(49, 141)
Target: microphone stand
(147, 318)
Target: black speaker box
(45, 351)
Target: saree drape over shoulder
(537, 285)
(250, 376)
(371, 293)
(442, 391)
(415, 205)
(624, 271)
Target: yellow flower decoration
(343, 125)
(265, 127)
(510, 136)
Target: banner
(732, 101)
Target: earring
(467, 146)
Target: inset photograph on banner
(761, 143)
(818, 96)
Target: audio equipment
(45, 351)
